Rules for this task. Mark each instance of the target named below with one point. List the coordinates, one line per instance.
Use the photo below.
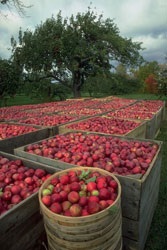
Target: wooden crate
(139, 196)
(159, 118)
(151, 128)
(7, 145)
(22, 226)
(139, 200)
(138, 132)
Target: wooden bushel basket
(99, 231)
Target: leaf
(84, 174)
(93, 179)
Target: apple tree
(69, 50)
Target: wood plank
(130, 196)
(147, 216)
(158, 120)
(138, 230)
(129, 244)
(150, 177)
(151, 128)
(130, 228)
(26, 238)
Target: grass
(24, 99)
(157, 238)
(21, 100)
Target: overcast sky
(143, 20)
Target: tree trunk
(77, 84)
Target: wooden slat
(151, 128)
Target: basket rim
(102, 213)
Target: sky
(143, 21)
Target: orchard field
(157, 238)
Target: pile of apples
(17, 182)
(105, 125)
(79, 192)
(132, 114)
(114, 154)
(10, 130)
(148, 105)
(48, 120)
(83, 112)
(11, 115)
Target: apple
(7, 195)
(83, 201)
(93, 207)
(15, 199)
(73, 197)
(75, 210)
(66, 205)
(113, 184)
(91, 186)
(104, 194)
(56, 197)
(64, 179)
(94, 192)
(75, 186)
(64, 195)
(46, 191)
(56, 207)
(15, 189)
(93, 198)
(103, 204)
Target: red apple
(75, 210)
(91, 186)
(16, 199)
(75, 186)
(56, 197)
(73, 197)
(64, 179)
(83, 201)
(15, 189)
(93, 198)
(104, 194)
(56, 208)
(66, 205)
(93, 207)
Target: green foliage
(45, 90)
(112, 84)
(70, 50)
(162, 82)
(9, 79)
(144, 71)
